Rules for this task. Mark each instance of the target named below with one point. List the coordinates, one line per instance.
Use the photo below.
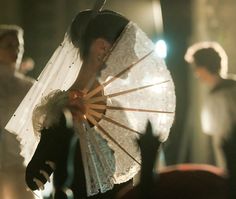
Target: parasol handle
(98, 6)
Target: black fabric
(229, 149)
(224, 84)
(54, 146)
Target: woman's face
(98, 51)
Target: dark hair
(208, 58)
(13, 30)
(7, 33)
(88, 26)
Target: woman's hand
(77, 105)
(44, 175)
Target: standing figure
(60, 148)
(110, 82)
(219, 111)
(13, 88)
(26, 66)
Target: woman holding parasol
(88, 128)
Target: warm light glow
(206, 121)
(161, 48)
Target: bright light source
(161, 48)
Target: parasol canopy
(137, 87)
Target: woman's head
(88, 26)
(208, 58)
(11, 44)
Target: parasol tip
(99, 4)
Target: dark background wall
(45, 23)
(177, 31)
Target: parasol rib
(95, 145)
(137, 110)
(119, 124)
(135, 89)
(118, 108)
(94, 113)
(99, 88)
(96, 99)
(96, 106)
(102, 116)
(99, 99)
(94, 122)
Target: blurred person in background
(209, 62)
(26, 66)
(12, 90)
